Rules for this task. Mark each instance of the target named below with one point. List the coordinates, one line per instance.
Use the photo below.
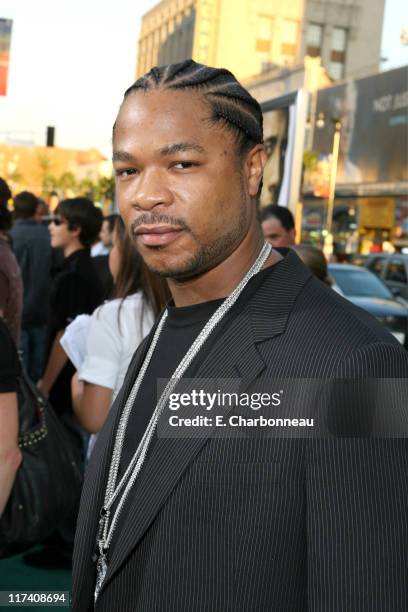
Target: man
(245, 521)
(31, 244)
(75, 290)
(278, 226)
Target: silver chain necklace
(107, 527)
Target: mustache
(157, 219)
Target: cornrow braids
(230, 103)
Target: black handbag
(48, 482)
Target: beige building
(28, 167)
(250, 37)
(346, 34)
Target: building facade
(346, 34)
(30, 167)
(250, 37)
(371, 204)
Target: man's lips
(157, 235)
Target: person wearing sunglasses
(75, 290)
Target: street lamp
(320, 123)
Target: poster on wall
(374, 128)
(283, 122)
(5, 38)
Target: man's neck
(221, 280)
(72, 248)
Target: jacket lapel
(235, 355)
(94, 489)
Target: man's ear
(254, 165)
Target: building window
(263, 35)
(289, 39)
(314, 39)
(338, 53)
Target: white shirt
(116, 330)
(99, 249)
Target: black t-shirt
(9, 367)
(76, 289)
(180, 330)
(101, 264)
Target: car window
(376, 265)
(359, 283)
(396, 272)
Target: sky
(71, 61)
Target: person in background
(107, 229)
(53, 200)
(315, 260)
(32, 247)
(11, 285)
(101, 262)
(116, 330)
(278, 226)
(105, 237)
(75, 290)
(41, 211)
(10, 454)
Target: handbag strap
(27, 387)
(31, 437)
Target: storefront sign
(377, 213)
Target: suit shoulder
(332, 315)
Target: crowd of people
(56, 270)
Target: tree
(105, 188)
(67, 183)
(15, 179)
(48, 180)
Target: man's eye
(184, 165)
(124, 172)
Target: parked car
(357, 259)
(392, 269)
(366, 290)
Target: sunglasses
(57, 220)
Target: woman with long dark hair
(116, 330)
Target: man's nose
(151, 190)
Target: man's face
(276, 234)
(180, 185)
(105, 234)
(61, 235)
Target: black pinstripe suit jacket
(263, 524)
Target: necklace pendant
(101, 569)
